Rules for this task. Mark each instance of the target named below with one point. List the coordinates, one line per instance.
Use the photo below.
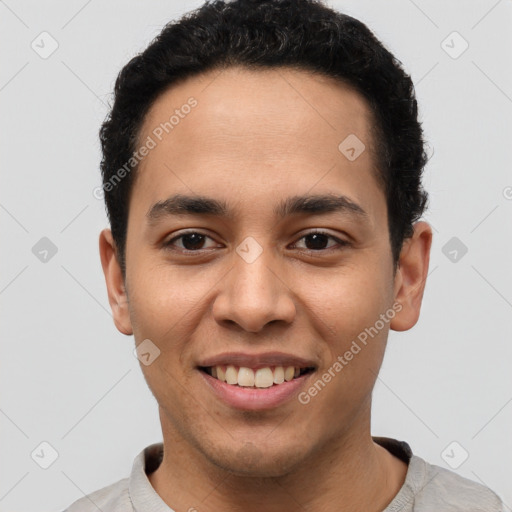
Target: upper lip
(260, 360)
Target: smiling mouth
(266, 377)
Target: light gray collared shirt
(427, 488)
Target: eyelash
(341, 243)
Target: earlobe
(117, 296)
(411, 276)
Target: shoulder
(112, 498)
(442, 489)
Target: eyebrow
(180, 205)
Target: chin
(257, 461)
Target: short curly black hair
(302, 34)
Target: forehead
(260, 104)
(235, 130)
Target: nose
(254, 294)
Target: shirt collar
(143, 495)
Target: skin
(255, 138)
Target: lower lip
(255, 399)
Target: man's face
(245, 290)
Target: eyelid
(168, 244)
(340, 241)
(318, 231)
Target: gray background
(68, 378)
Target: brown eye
(317, 240)
(191, 241)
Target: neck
(348, 474)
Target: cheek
(348, 300)
(161, 297)
(168, 306)
(355, 340)
(354, 349)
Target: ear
(411, 276)
(117, 295)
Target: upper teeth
(260, 378)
